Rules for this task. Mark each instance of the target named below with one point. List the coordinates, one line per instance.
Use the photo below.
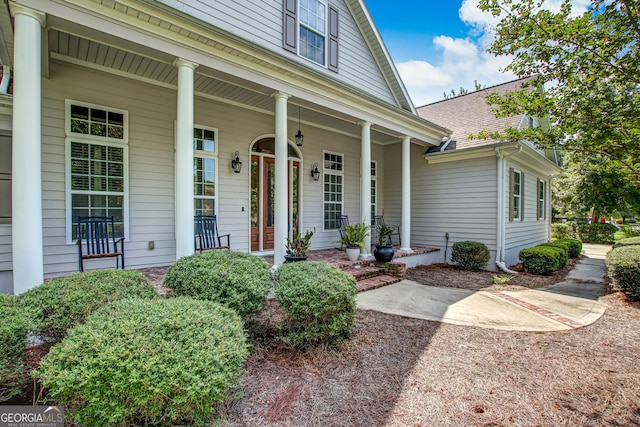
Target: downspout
(500, 234)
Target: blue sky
(439, 45)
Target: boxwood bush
(147, 362)
(629, 241)
(597, 233)
(540, 259)
(61, 303)
(238, 280)
(14, 327)
(623, 266)
(319, 301)
(470, 255)
(563, 249)
(562, 230)
(574, 246)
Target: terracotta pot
(383, 253)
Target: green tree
(594, 186)
(589, 65)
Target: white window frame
(324, 35)
(208, 155)
(542, 196)
(95, 140)
(328, 171)
(517, 206)
(374, 190)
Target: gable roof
(470, 114)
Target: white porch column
(27, 235)
(184, 159)
(405, 227)
(281, 199)
(365, 184)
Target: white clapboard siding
(531, 231)
(261, 23)
(458, 198)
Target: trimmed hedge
(61, 303)
(563, 248)
(238, 280)
(623, 266)
(629, 241)
(541, 259)
(562, 230)
(574, 247)
(319, 301)
(147, 362)
(597, 233)
(14, 327)
(470, 255)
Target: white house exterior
(485, 190)
(136, 108)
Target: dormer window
(311, 31)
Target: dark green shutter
(290, 26)
(511, 186)
(521, 196)
(333, 39)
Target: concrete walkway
(570, 304)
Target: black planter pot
(290, 258)
(383, 253)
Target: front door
(262, 200)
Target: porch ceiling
(73, 43)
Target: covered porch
(368, 274)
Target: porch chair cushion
(96, 239)
(206, 234)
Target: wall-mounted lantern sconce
(299, 135)
(315, 173)
(236, 164)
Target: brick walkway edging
(539, 310)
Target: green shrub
(574, 247)
(623, 265)
(14, 327)
(597, 233)
(540, 259)
(319, 301)
(61, 303)
(562, 230)
(238, 280)
(627, 231)
(629, 241)
(469, 255)
(147, 362)
(563, 248)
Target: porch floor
(368, 274)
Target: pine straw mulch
(397, 371)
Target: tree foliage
(594, 186)
(589, 65)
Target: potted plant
(298, 246)
(353, 238)
(384, 250)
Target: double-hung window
(205, 156)
(541, 199)
(313, 30)
(333, 189)
(97, 164)
(516, 195)
(374, 190)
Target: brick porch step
(361, 272)
(377, 282)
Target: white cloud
(463, 61)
